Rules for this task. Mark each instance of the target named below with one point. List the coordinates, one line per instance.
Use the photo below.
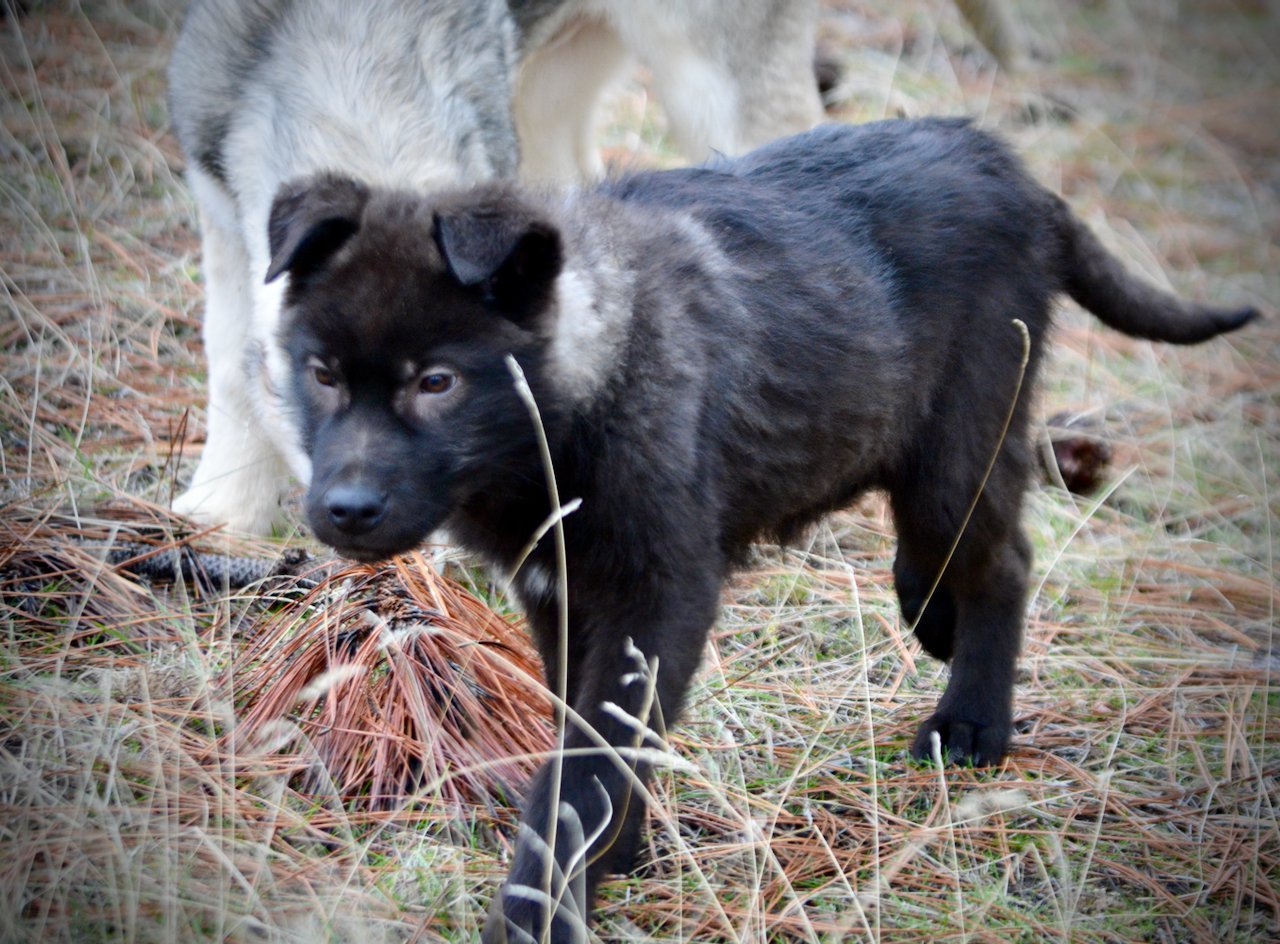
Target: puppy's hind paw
(962, 742)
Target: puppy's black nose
(355, 509)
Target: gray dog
(423, 94)
(719, 354)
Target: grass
(176, 765)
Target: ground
(324, 757)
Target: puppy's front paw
(964, 742)
(519, 915)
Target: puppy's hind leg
(975, 615)
(557, 98)
(974, 717)
(926, 604)
(240, 475)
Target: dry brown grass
(184, 763)
(399, 681)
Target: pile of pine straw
(334, 752)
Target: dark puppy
(720, 354)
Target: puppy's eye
(437, 382)
(324, 376)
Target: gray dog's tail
(1100, 283)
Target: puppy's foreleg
(629, 666)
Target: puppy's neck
(589, 327)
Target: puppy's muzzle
(355, 509)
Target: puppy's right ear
(310, 221)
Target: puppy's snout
(355, 509)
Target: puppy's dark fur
(720, 354)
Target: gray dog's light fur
(421, 95)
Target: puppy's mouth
(368, 551)
(364, 555)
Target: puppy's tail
(1100, 283)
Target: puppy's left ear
(511, 257)
(310, 221)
